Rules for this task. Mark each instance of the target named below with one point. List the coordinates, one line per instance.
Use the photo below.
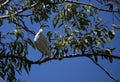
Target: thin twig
(6, 2)
(19, 11)
(26, 28)
(103, 69)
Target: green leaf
(26, 3)
(95, 57)
(18, 33)
(29, 41)
(68, 14)
(19, 65)
(115, 26)
(110, 59)
(111, 34)
(60, 25)
(108, 51)
(6, 12)
(103, 40)
(61, 44)
(99, 21)
(66, 50)
(97, 42)
(36, 19)
(56, 36)
(1, 75)
(1, 78)
(27, 67)
(2, 51)
(1, 22)
(55, 21)
(20, 48)
(49, 36)
(25, 52)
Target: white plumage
(42, 43)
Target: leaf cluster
(11, 53)
(84, 32)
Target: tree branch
(60, 58)
(26, 28)
(63, 57)
(74, 2)
(3, 4)
(55, 58)
(19, 11)
(103, 69)
(82, 3)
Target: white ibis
(42, 43)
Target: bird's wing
(45, 40)
(43, 45)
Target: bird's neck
(40, 31)
(38, 34)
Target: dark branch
(103, 69)
(26, 28)
(19, 11)
(82, 3)
(67, 1)
(60, 58)
(54, 58)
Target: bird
(42, 43)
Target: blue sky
(74, 69)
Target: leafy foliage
(83, 32)
(11, 54)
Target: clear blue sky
(71, 70)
